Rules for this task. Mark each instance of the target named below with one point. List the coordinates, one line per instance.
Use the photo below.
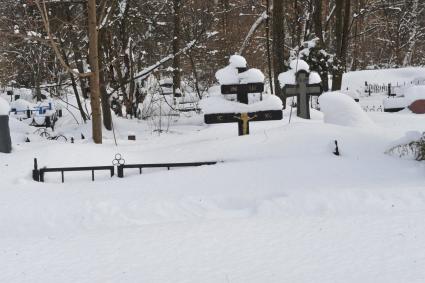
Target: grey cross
(302, 90)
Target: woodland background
(134, 35)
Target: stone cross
(243, 119)
(303, 90)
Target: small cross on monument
(303, 90)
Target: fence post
(36, 172)
(120, 171)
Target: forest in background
(189, 40)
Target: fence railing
(38, 175)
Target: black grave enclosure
(5, 140)
(303, 90)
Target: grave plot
(246, 85)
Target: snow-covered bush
(414, 148)
(317, 58)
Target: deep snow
(280, 207)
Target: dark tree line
(191, 39)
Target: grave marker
(242, 90)
(303, 90)
(243, 119)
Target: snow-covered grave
(301, 83)
(237, 79)
(5, 140)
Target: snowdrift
(341, 109)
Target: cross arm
(242, 88)
(290, 90)
(314, 89)
(221, 118)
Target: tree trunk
(106, 107)
(318, 30)
(176, 48)
(94, 78)
(278, 31)
(339, 34)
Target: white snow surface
(414, 93)
(298, 65)
(341, 109)
(237, 61)
(288, 77)
(252, 76)
(230, 75)
(219, 104)
(4, 107)
(279, 208)
(227, 75)
(401, 77)
(21, 105)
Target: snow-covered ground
(280, 207)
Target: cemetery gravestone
(242, 90)
(303, 90)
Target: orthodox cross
(302, 90)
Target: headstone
(418, 107)
(302, 90)
(238, 79)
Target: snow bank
(414, 93)
(410, 95)
(356, 80)
(395, 102)
(218, 104)
(4, 107)
(288, 77)
(341, 109)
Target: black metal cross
(243, 119)
(242, 90)
(303, 90)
